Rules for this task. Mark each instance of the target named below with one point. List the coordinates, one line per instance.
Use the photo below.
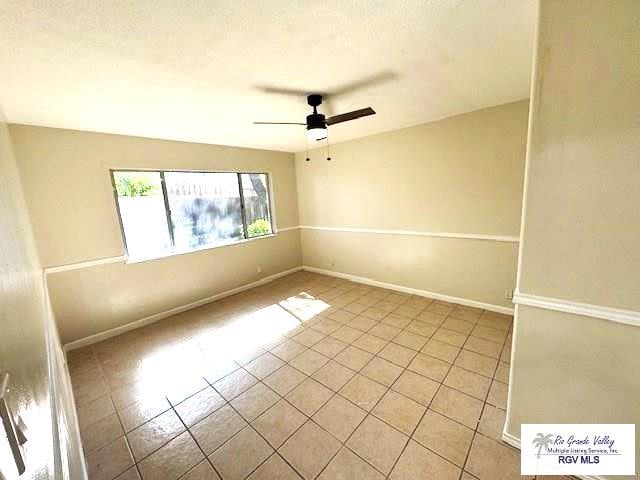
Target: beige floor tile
(346, 334)
(155, 433)
(469, 314)
(309, 361)
(288, 350)
(422, 328)
(202, 471)
(362, 391)
(460, 326)
(419, 302)
(132, 474)
(449, 336)
(264, 365)
(355, 308)
(362, 323)
(502, 373)
(254, 401)
(195, 408)
(89, 388)
(309, 337)
(492, 422)
(101, 433)
(468, 382)
(275, 468)
(370, 343)
(457, 406)
(445, 437)
(484, 347)
(216, 369)
(309, 396)
(309, 450)
(408, 310)
(375, 313)
(333, 375)
(418, 462)
(326, 326)
(395, 320)
(107, 462)
(377, 443)
(348, 466)
(217, 428)
(285, 379)
(384, 331)
(431, 367)
(173, 460)
(279, 422)
(416, 387)
(488, 333)
(505, 356)
(180, 388)
(95, 411)
(339, 417)
(490, 460)
(440, 307)
(142, 411)
(432, 318)
(237, 458)
(441, 350)
(330, 346)
(397, 354)
(399, 411)
(410, 340)
(382, 371)
(498, 395)
(353, 358)
(235, 383)
(476, 363)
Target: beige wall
(69, 194)
(463, 174)
(26, 329)
(581, 229)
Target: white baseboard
(98, 337)
(412, 291)
(515, 442)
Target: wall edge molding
(515, 442)
(85, 264)
(112, 332)
(627, 317)
(415, 233)
(410, 290)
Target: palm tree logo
(542, 441)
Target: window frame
(170, 226)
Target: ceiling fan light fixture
(316, 133)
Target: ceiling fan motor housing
(316, 120)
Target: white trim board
(414, 233)
(628, 317)
(515, 442)
(412, 291)
(98, 337)
(86, 264)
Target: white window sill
(208, 247)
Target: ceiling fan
(317, 123)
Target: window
(174, 212)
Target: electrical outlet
(508, 294)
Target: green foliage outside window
(134, 186)
(259, 227)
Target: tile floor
(306, 377)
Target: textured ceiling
(203, 70)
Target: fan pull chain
(328, 147)
(307, 143)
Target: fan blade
(345, 117)
(278, 123)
